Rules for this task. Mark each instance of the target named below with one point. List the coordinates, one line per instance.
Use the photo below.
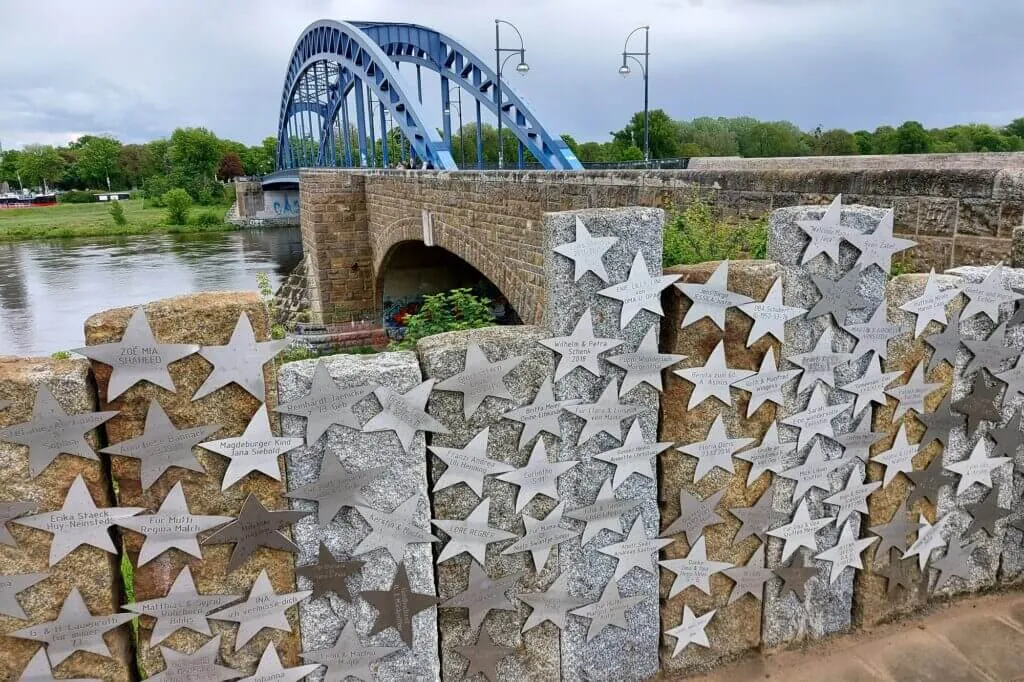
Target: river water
(49, 287)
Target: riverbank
(94, 220)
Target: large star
(712, 298)
(820, 362)
(404, 413)
(946, 343)
(52, 431)
(977, 468)
(929, 537)
(982, 403)
(870, 387)
(911, 395)
(586, 252)
(853, 497)
(394, 530)
(74, 617)
(715, 450)
(580, 349)
(645, 365)
(766, 384)
(240, 361)
(257, 449)
(756, 519)
(605, 513)
(857, 442)
(695, 514)
(990, 353)
(770, 315)
(468, 464)
(270, 669)
(985, 515)
(484, 656)
(813, 473)
(480, 378)
(162, 446)
(604, 415)
(989, 294)
(641, 291)
(472, 534)
(137, 357)
(846, 553)
(694, 570)
(816, 418)
(482, 595)
(173, 526)
(609, 610)
(749, 578)
(182, 607)
(201, 665)
(541, 535)
(898, 459)
(875, 334)
(931, 304)
(540, 415)
(713, 379)
(78, 522)
(795, 577)
(335, 488)
(800, 532)
(349, 657)
(255, 527)
(263, 608)
(635, 456)
(397, 605)
(330, 575)
(826, 233)
(553, 604)
(838, 297)
(769, 455)
(11, 586)
(326, 404)
(955, 562)
(538, 477)
(877, 247)
(636, 550)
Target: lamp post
(522, 67)
(447, 111)
(625, 71)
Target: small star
(985, 515)
(801, 531)
(472, 534)
(38, 670)
(586, 252)
(270, 669)
(645, 365)
(604, 514)
(898, 573)
(795, 577)
(770, 455)
(816, 418)
(349, 657)
(826, 233)
(263, 608)
(929, 538)
(1014, 379)
(955, 562)
(255, 527)
(912, 395)
(326, 404)
(538, 477)
(946, 343)
(609, 610)
(770, 315)
(875, 334)
(927, 482)
(580, 349)
(394, 530)
(899, 458)
(813, 473)
(468, 464)
(853, 497)
(877, 248)
(694, 570)
(484, 656)
(691, 630)
(713, 379)
(604, 415)
(990, 353)
(715, 450)
(695, 514)
(641, 291)
(749, 579)
(1007, 439)
(201, 665)
(635, 456)
(240, 362)
(404, 413)
(838, 297)
(931, 305)
(766, 384)
(329, 575)
(554, 604)
(754, 519)
(541, 535)
(892, 535)
(870, 387)
(939, 423)
(858, 441)
(712, 298)
(977, 468)
(483, 595)
(335, 488)
(636, 550)
(980, 404)
(182, 607)
(540, 415)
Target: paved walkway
(979, 639)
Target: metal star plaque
(137, 357)
(816, 419)
(716, 450)
(255, 527)
(899, 458)
(990, 353)
(770, 455)
(635, 551)
(819, 363)
(397, 605)
(538, 477)
(330, 575)
(635, 456)
(327, 404)
(173, 526)
(749, 579)
(553, 604)
(755, 519)
(336, 488)
(939, 423)
(713, 378)
(813, 473)
(468, 464)
(857, 443)
(838, 297)
(52, 431)
(9, 511)
(540, 415)
(982, 403)
(767, 384)
(349, 657)
(640, 291)
(162, 446)
(182, 607)
(604, 415)
(394, 530)
(586, 252)
(695, 514)
(580, 349)
(605, 513)
(480, 378)
(911, 395)
(263, 608)
(1007, 439)
(483, 594)
(795, 577)
(541, 535)
(1014, 379)
(846, 553)
(472, 534)
(929, 538)
(694, 570)
(875, 334)
(898, 573)
(38, 670)
(986, 297)
(927, 482)
(877, 247)
(404, 413)
(609, 610)
(271, 670)
(985, 515)
(201, 665)
(645, 365)
(853, 497)
(946, 343)
(930, 306)
(801, 531)
(484, 656)
(712, 298)
(826, 233)
(691, 630)
(955, 562)
(75, 629)
(10, 586)
(240, 362)
(770, 315)
(892, 535)
(977, 468)
(78, 522)
(257, 449)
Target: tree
(884, 140)
(230, 167)
(864, 141)
(40, 165)
(709, 137)
(137, 164)
(193, 154)
(835, 142)
(9, 167)
(912, 138)
(98, 160)
(779, 138)
(570, 142)
(664, 134)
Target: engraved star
(795, 577)
(472, 534)
(770, 315)
(814, 472)
(137, 357)
(397, 605)
(540, 415)
(580, 349)
(257, 449)
(336, 488)
(955, 562)
(201, 665)
(635, 456)
(912, 394)
(1007, 439)
(38, 670)
(946, 343)
(479, 379)
(270, 669)
(240, 361)
(931, 305)
(816, 418)
(754, 519)
(713, 379)
(541, 535)
(899, 458)
(641, 291)
(766, 384)
(605, 513)
(586, 252)
(858, 441)
(716, 450)
(691, 630)
(820, 362)
(989, 294)
(326, 404)
(870, 387)
(538, 477)
(846, 553)
(695, 514)
(985, 515)
(980, 404)
(977, 468)
(875, 334)
(404, 413)
(484, 656)
(877, 247)
(609, 610)
(990, 353)
(801, 531)
(11, 586)
(826, 233)
(553, 604)
(263, 608)
(892, 535)
(468, 464)
(712, 298)
(636, 550)
(929, 538)
(838, 297)
(605, 415)
(694, 570)
(750, 578)
(853, 497)
(255, 527)
(645, 365)
(939, 423)
(350, 657)
(482, 595)
(182, 607)
(897, 574)
(769, 455)
(394, 530)
(329, 575)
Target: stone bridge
(360, 227)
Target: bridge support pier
(336, 241)
(249, 195)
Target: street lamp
(522, 67)
(448, 111)
(624, 70)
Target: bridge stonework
(352, 218)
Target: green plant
(207, 219)
(154, 188)
(76, 196)
(695, 235)
(178, 204)
(117, 213)
(296, 353)
(61, 355)
(900, 267)
(757, 238)
(455, 310)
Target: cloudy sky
(139, 69)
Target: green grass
(93, 220)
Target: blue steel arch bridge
(344, 104)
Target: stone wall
(291, 300)
(995, 160)
(249, 198)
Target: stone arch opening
(410, 270)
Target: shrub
(76, 196)
(61, 355)
(178, 204)
(455, 310)
(117, 213)
(694, 235)
(154, 188)
(208, 219)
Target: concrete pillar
(249, 196)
